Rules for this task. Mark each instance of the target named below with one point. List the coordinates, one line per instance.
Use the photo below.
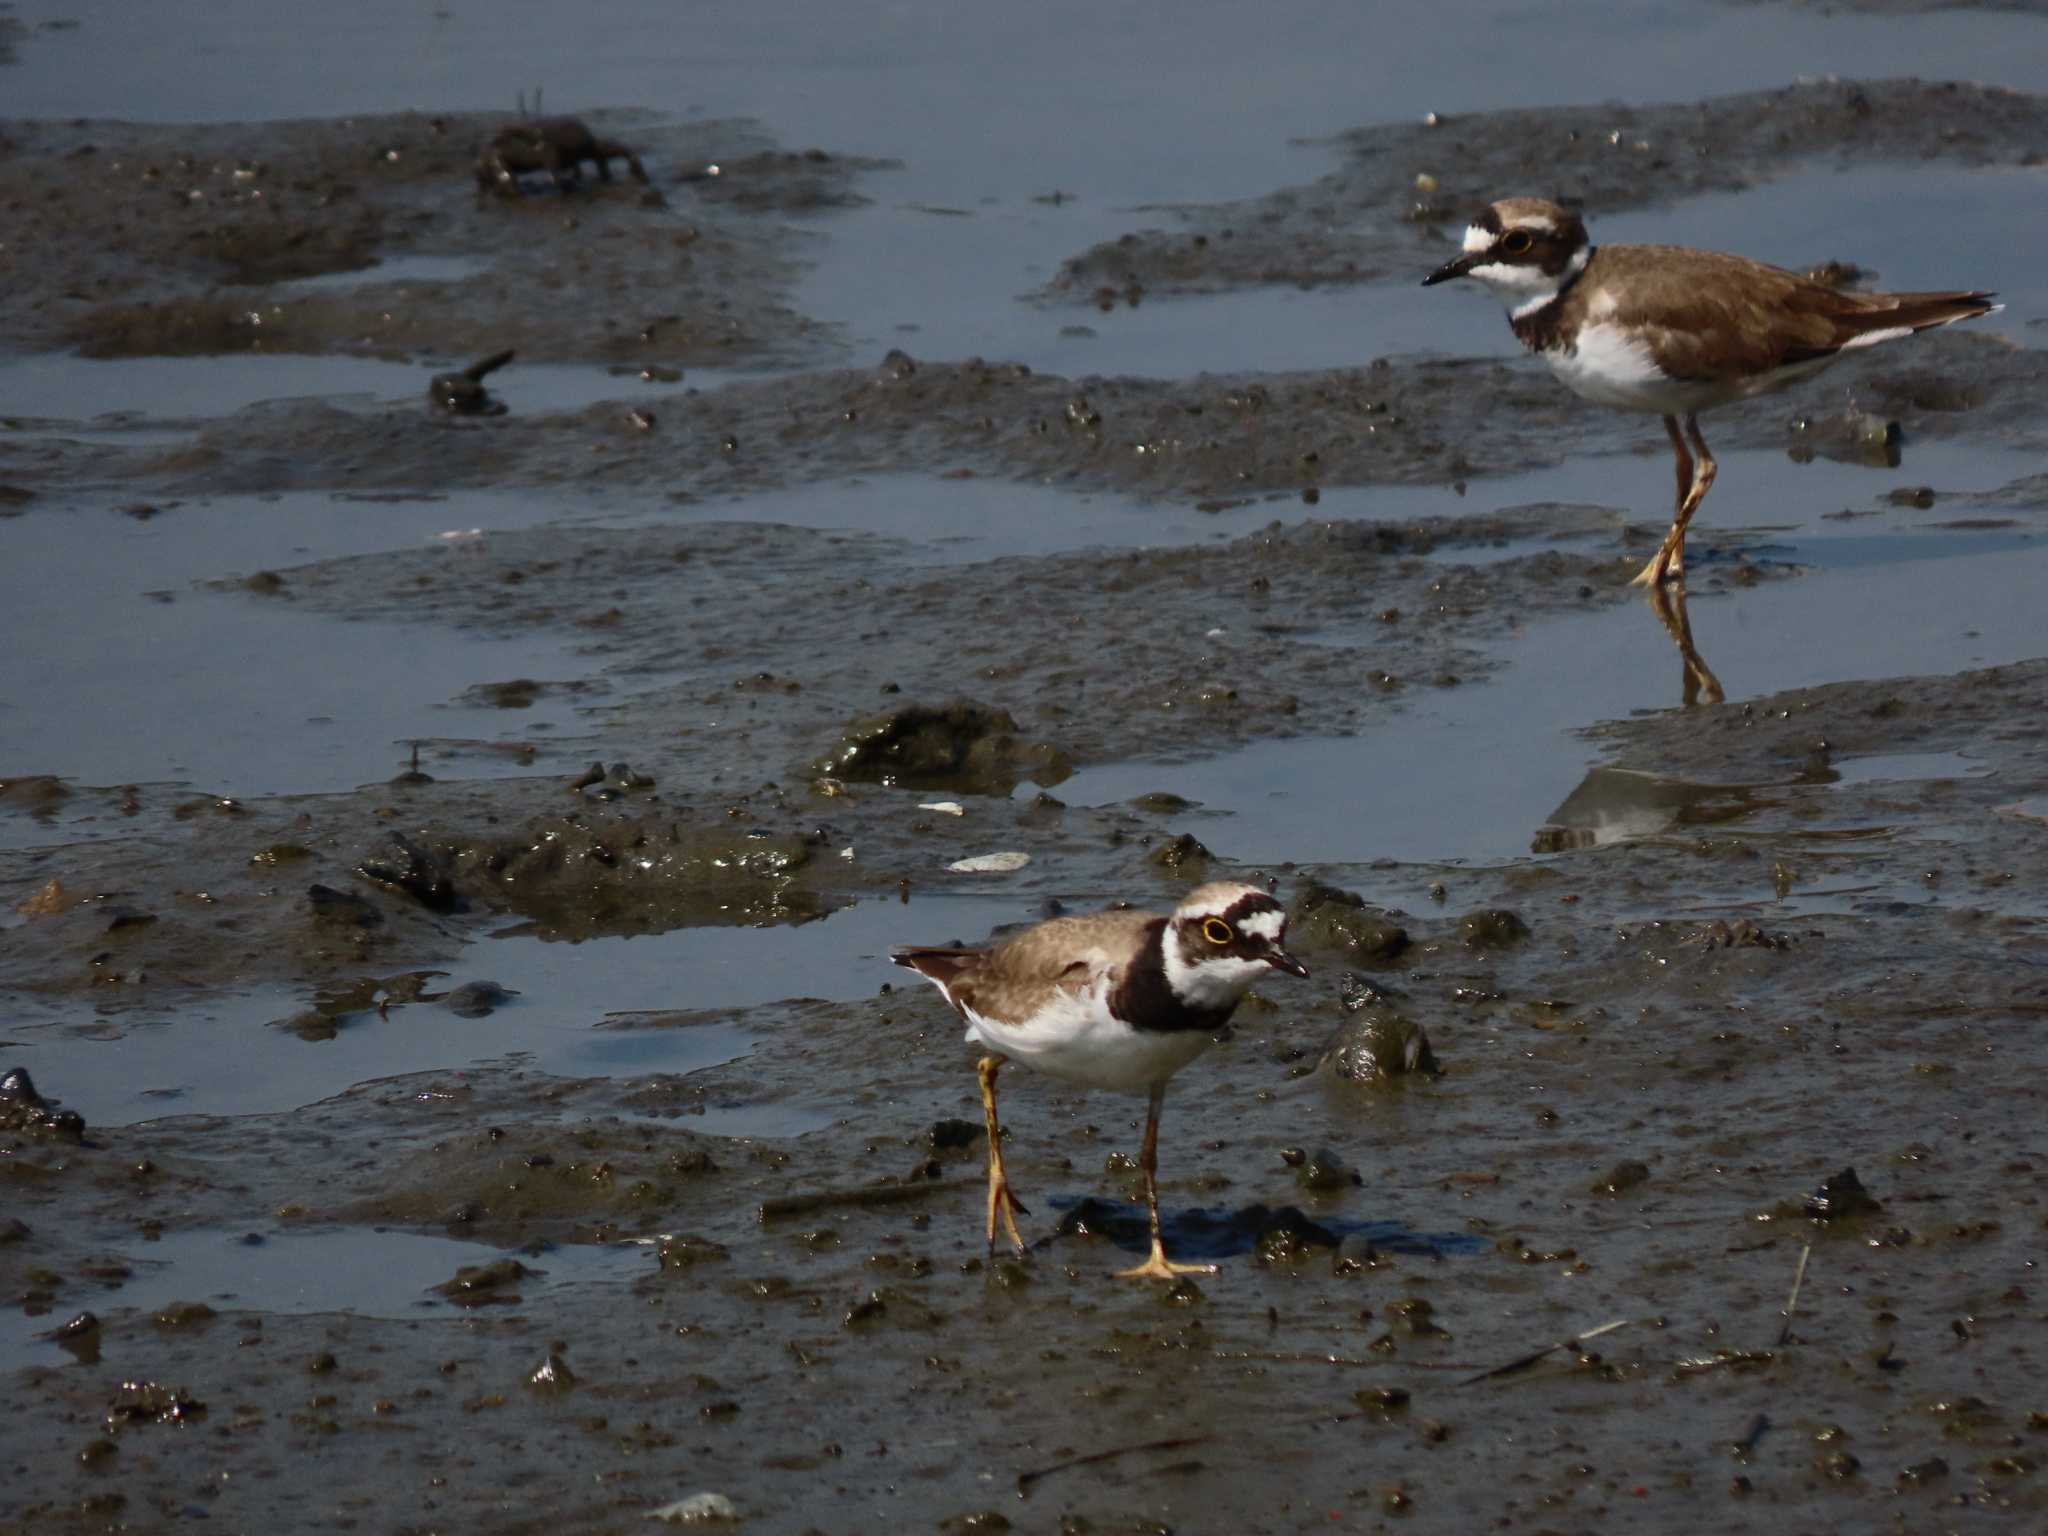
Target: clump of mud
(960, 745)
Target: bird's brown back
(1708, 316)
(1012, 980)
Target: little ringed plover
(1119, 1000)
(1674, 331)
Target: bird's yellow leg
(1695, 478)
(1158, 1266)
(1000, 1199)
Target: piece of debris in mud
(1118, 1000)
(559, 146)
(698, 1509)
(1536, 256)
(990, 863)
(1523, 1362)
(463, 393)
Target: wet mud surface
(137, 240)
(1405, 191)
(629, 1172)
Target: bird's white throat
(1205, 981)
(1524, 289)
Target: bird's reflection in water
(1700, 686)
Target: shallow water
(66, 396)
(144, 677)
(287, 1271)
(233, 1054)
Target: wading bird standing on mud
(1119, 1000)
(1674, 331)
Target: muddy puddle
(282, 1271)
(532, 1131)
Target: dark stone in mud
(1285, 1235)
(480, 1284)
(1841, 1197)
(26, 1112)
(476, 999)
(953, 1135)
(185, 1314)
(1324, 917)
(1496, 929)
(1323, 1172)
(414, 871)
(961, 746)
(1376, 1044)
(1185, 855)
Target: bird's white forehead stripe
(1476, 238)
(1265, 925)
(1221, 901)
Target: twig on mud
(1525, 1361)
(1722, 1360)
(1026, 1480)
(783, 1206)
(1792, 1302)
(1755, 1433)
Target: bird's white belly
(1609, 366)
(1077, 1039)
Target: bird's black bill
(1280, 960)
(1451, 269)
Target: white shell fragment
(947, 807)
(990, 864)
(697, 1509)
(847, 853)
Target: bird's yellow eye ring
(1516, 242)
(1216, 931)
